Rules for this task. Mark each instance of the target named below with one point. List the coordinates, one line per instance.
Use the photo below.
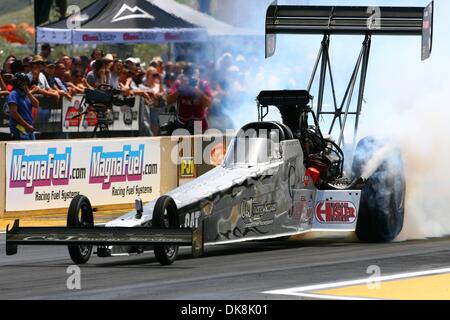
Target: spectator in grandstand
(38, 81)
(21, 103)
(125, 79)
(138, 78)
(116, 70)
(132, 63)
(96, 55)
(158, 63)
(7, 64)
(26, 63)
(46, 51)
(169, 80)
(78, 82)
(193, 97)
(67, 61)
(77, 64)
(153, 94)
(17, 67)
(54, 73)
(99, 75)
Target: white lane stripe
(297, 290)
(327, 297)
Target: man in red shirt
(193, 97)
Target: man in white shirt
(38, 79)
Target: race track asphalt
(241, 271)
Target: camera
(193, 82)
(101, 102)
(108, 98)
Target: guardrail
(53, 120)
(41, 177)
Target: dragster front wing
(102, 236)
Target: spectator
(153, 92)
(67, 61)
(54, 79)
(96, 55)
(109, 61)
(125, 80)
(7, 64)
(193, 98)
(78, 82)
(21, 103)
(77, 64)
(158, 63)
(17, 67)
(138, 78)
(38, 81)
(26, 62)
(169, 80)
(99, 75)
(132, 63)
(46, 51)
(116, 70)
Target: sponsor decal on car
(335, 212)
(301, 210)
(253, 213)
(191, 220)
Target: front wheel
(382, 209)
(165, 215)
(80, 215)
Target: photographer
(21, 103)
(193, 97)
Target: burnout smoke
(407, 102)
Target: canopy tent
(116, 21)
(213, 26)
(135, 21)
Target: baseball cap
(38, 59)
(50, 63)
(27, 60)
(133, 60)
(109, 57)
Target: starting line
(422, 285)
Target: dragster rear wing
(350, 20)
(102, 236)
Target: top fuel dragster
(277, 179)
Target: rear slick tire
(80, 215)
(381, 210)
(165, 215)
